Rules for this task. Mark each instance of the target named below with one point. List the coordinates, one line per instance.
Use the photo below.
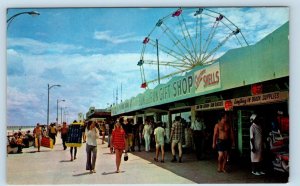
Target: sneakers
(155, 159)
(262, 173)
(256, 173)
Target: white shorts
(159, 144)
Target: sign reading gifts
(208, 78)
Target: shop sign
(256, 89)
(228, 105)
(210, 106)
(208, 78)
(243, 101)
(261, 99)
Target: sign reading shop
(192, 84)
(200, 81)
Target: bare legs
(222, 161)
(162, 153)
(174, 143)
(103, 137)
(118, 158)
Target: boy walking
(159, 134)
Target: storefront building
(244, 80)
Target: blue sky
(91, 52)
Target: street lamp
(49, 87)
(32, 13)
(57, 110)
(66, 113)
(61, 114)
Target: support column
(193, 113)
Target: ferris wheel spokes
(187, 38)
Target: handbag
(125, 156)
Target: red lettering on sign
(211, 79)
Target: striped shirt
(177, 131)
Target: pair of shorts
(176, 141)
(223, 145)
(159, 144)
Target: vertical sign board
(74, 135)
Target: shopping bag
(125, 156)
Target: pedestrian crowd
(124, 136)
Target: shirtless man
(37, 132)
(223, 140)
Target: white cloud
(17, 98)
(87, 80)
(38, 47)
(107, 36)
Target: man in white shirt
(198, 127)
(256, 145)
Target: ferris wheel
(186, 38)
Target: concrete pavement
(54, 167)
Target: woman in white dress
(146, 134)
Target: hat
(252, 117)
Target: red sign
(256, 89)
(228, 105)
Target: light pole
(66, 113)
(57, 109)
(32, 13)
(49, 87)
(63, 117)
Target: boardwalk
(54, 167)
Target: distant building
(98, 114)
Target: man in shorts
(176, 138)
(159, 134)
(223, 140)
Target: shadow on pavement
(108, 153)
(114, 172)
(82, 174)
(62, 161)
